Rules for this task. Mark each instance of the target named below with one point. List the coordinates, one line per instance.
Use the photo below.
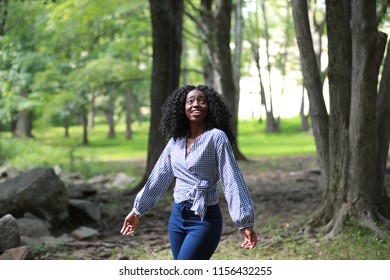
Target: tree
(352, 141)
(167, 22)
(213, 21)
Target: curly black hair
(174, 122)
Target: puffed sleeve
(157, 184)
(236, 192)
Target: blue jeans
(191, 238)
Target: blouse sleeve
(236, 192)
(157, 184)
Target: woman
(198, 155)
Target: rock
(122, 179)
(84, 233)
(39, 191)
(17, 253)
(99, 180)
(33, 227)
(41, 241)
(57, 170)
(8, 172)
(84, 209)
(9, 233)
(80, 190)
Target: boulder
(39, 191)
(17, 253)
(84, 210)
(34, 227)
(83, 232)
(9, 233)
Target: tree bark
(167, 21)
(23, 125)
(358, 137)
(339, 74)
(312, 83)
(84, 123)
(222, 21)
(3, 16)
(128, 105)
(110, 118)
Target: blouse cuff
(240, 227)
(137, 212)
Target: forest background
(77, 85)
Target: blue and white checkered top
(209, 160)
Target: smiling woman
(198, 154)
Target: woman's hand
(250, 238)
(130, 224)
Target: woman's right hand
(130, 224)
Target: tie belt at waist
(197, 196)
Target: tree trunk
(91, 113)
(312, 83)
(383, 134)
(84, 124)
(3, 16)
(23, 125)
(128, 105)
(224, 67)
(167, 22)
(358, 140)
(238, 37)
(110, 118)
(66, 127)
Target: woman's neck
(196, 130)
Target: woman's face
(197, 107)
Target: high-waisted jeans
(191, 238)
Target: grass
(49, 147)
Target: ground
(285, 192)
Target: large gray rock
(39, 191)
(85, 210)
(33, 227)
(9, 233)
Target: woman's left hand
(250, 238)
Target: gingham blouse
(210, 158)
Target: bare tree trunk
(339, 40)
(272, 125)
(238, 26)
(91, 113)
(110, 118)
(84, 123)
(383, 134)
(312, 83)
(23, 125)
(167, 23)
(222, 20)
(128, 105)
(355, 144)
(214, 27)
(3, 16)
(66, 127)
(367, 53)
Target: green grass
(49, 146)
(291, 141)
